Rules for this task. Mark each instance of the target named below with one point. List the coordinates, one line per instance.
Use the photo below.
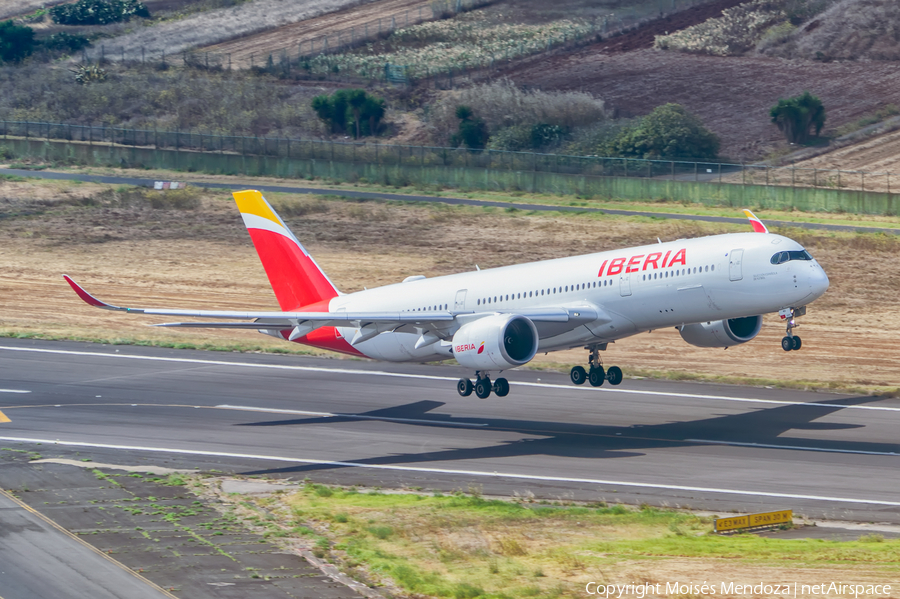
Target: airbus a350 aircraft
(714, 290)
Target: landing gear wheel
(787, 343)
(596, 376)
(464, 387)
(483, 388)
(797, 343)
(501, 387)
(578, 375)
(614, 375)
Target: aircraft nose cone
(818, 281)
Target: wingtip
(87, 297)
(757, 224)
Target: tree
(16, 42)
(669, 132)
(350, 105)
(472, 132)
(796, 116)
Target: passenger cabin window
(782, 257)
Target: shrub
(472, 131)
(87, 74)
(796, 116)
(98, 12)
(669, 132)
(350, 106)
(512, 139)
(735, 32)
(66, 42)
(16, 41)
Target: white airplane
(714, 290)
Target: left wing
(369, 323)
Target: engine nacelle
(722, 333)
(496, 342)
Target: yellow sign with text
(754, 520)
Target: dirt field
(131, 254)
(732, 95)
(877, 155)
(302, 33)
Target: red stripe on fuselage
(295, 278)
(326, 338)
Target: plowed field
(732, 95)
(290, 37)
(877, 155)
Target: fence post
(767, 175)
(696, 174)
(142, 55)
(815, 177)
(793, 174)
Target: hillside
(849, 30)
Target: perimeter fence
(404, 155)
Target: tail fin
(757, 224)
(295, 277)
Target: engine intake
(496, 342)
(722, 333)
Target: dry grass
(738, 30)
(849, 30)
(128, 252)
(502, 104)
(216, 26)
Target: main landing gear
(791, 342)
(483, 386)
(595, 374)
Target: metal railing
(425, 156)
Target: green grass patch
(470, 546)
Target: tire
(464, 387)
(787, 343)
(578, 375)
(501, 387)
(614, 374)
(596, 376)
(797, 343)
(483, 388)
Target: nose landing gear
(483, 386)
(791, 342)
(595, 374)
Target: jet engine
(496, 342)
(722, 333)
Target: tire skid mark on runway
(449, 471)
(792, 447)
(385, 373)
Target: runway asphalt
(714, 447)
(371, 195)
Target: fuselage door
(460, 304)
(734, 265)
(624, 284)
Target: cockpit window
(782, 257)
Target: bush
(669, 132)
(16, 42)
(796, 116)
(350, 111)
(735, 32)
(66, 42)
(472, 131)
(512, 139)
(98, 12)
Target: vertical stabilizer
(295, 277)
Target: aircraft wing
(547, 319)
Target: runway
(714, 447)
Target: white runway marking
(513, 475)
(446, 378)
(14, 391)
(353, 416)
(792, 447)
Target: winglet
(757, 224)
(88, 298)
